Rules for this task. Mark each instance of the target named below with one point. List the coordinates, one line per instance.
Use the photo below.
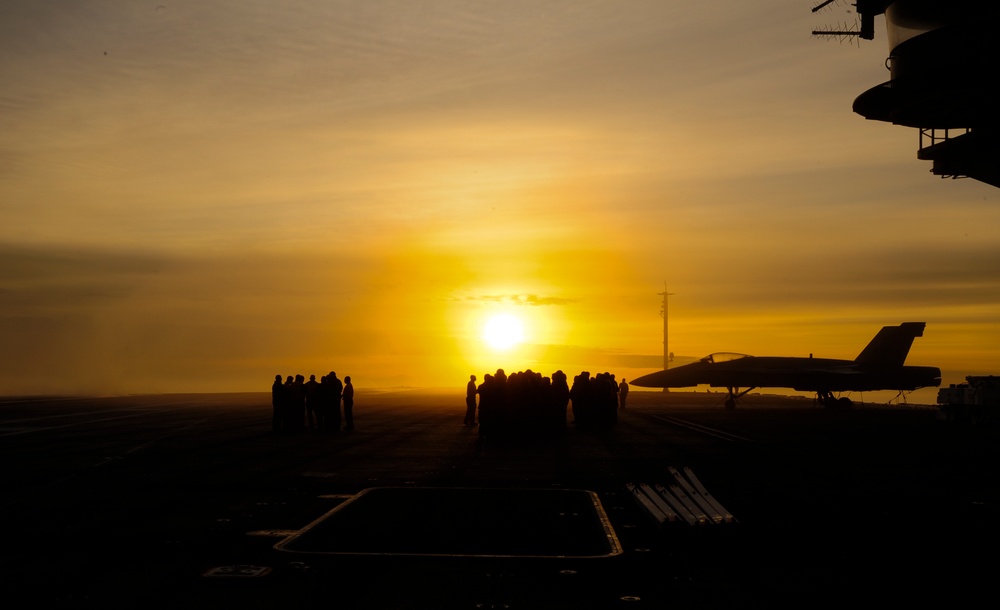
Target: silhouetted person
(607, 397)
(333, 400)
(326, 411)
(348, 404)
(286, 404)
(487, 400)
(579, 394)
(622, 393)
(499, 410)
(560, 397)
(470, 401)
(278, 404)
(312, 400)
(297, 404)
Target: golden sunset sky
(195, 196)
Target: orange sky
(196, 197)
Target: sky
(197, 196)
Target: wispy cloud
(532, 300)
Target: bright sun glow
(503, 331)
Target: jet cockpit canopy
(718, 357)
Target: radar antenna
(823, 5)
(864, 28)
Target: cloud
(571, 357)
(532, 300)
(37, 280)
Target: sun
(503, 331)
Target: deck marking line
(708, 496)
(726, 436)
(695, 495)
(645, 502)
(658, 501)
(676, 504)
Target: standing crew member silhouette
(470, 401)
(336, 389)
(622, 393)
(278, 404)
(286, 404)
(348, 404)
(297, 404)
(311, 388)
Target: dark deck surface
(462, 522)
(178, 501)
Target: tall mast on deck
(663, 314)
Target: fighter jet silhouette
(878, 367)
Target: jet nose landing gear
(830, 401)
(735, 394)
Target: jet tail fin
(891, 345)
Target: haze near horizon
(196, 197)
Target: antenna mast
(663, 314)
(863, 27)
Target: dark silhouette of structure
(878, 367)
(943, 58)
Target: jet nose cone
(659, 379)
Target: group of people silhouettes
(299, 404)
(527, 405)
